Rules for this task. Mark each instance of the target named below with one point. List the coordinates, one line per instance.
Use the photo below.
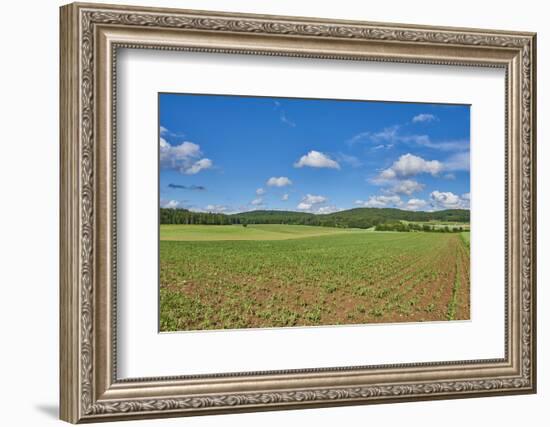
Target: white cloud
(173, 153)
(198, 166)
(260, 191)
(380, 202)
(449, 200)
(316, 159)
(391, 135)
(415, 204)
(216, 208)
(424, 118)
(184, 157)
(407, 186)
(385, 176)
(257, 201)
(310, 201)
(386, 135)
(466, 196)
(281, 181)
(167, 132)
(284, 198)
(409, 165)
(313, 199)
(170, 204)
(327, 209)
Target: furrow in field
(463, 294)
(406, 294)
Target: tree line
(185, 216)
(352, 218)
(406, 227)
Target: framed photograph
(265, 212)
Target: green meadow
(250, 232)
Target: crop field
(228, 277)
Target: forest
(381, 218)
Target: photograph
(277, 209)
(293, 212)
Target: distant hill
(354, 218)
(351, 218)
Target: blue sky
(233, 154)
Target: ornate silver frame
(90, 36)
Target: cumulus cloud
(327, 209)
(311, 201)
(216, 208)
(167, 132)
(281, 181)
(170, 204)
(185, 157)
(424, 118)
(310, 198)
(260, 191)
(316, 159)
(380, 202)
(284, 198)
(198, 166)
(257, 201)
(415, 204)
(407, 186)
(409, 165)
(449, 200)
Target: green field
(465, 235)
(219, 277)
(251, 232)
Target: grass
(465, 235)
(220, 277)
